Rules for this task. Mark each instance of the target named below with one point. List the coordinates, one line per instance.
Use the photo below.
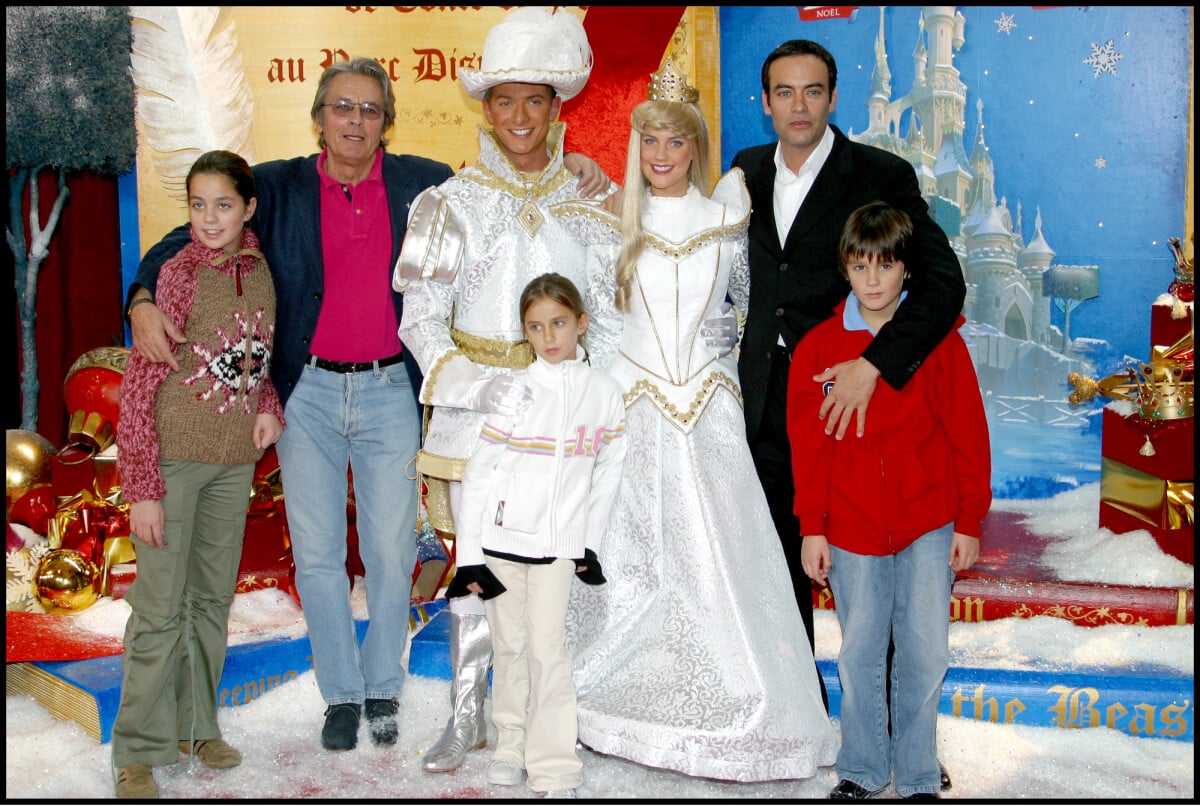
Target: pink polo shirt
(358, 320)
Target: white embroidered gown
(693, 657)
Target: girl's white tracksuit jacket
(542, 483)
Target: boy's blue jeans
(368, 420)
(905, 596)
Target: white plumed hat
(533, 46)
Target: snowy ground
(279, 733)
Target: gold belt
(493, 352)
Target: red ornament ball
(30, 458)
(1186, 292)
(94, 382)
(35, 508)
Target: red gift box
(1165, 331)
(1166, 503)
(1174, 457)
(1179, 543)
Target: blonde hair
(683, 120)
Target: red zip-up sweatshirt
(924, 461)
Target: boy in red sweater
(888, 519)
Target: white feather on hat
(533, 46)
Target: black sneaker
(341, 726)
(381, 718)
(848, 790)
(946, 782)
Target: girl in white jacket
(535, 501)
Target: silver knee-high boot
(470, 658)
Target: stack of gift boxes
(1147, 445)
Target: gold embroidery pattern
(440, 467)
(679, 252)
(683, 420)
(530, 218)
(1081, 614)
(492, 352)
(588, 222)
(431, 381)
(485, 178)
(252, 582)
(672, 251)
(580, 209)
(541, 187)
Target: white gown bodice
(695, 256)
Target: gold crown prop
(1183, 287)
(668, 84)
(91, 431)
(1164, 389)
(1185, 268)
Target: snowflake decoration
(1104, 59)
(1005, 24)
(20, 566)
(232, 361)
(1101, 162)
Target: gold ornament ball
(66, 581)
(30, 456)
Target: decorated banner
(244, 79)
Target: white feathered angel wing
(192, 94)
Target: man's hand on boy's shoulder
(854, 384)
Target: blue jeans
(905, 596)
(369, 422)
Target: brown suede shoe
(136, 782)
(214, 753)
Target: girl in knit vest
(188, 441)
(536, 495)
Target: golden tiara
(668, 84)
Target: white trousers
(533, 694)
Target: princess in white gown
(693, 657)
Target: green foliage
(69, 98)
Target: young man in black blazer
(803, 188)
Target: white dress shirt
(791, 187)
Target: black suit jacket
(794, 287)
(288, 223)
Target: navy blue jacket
(794, 287)
(288, 223)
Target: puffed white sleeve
(433, 243)
(731, 191)
(597, 230)
(426, 273)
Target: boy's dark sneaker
(946, 782)
(848, 790)
(341, 726)
(381, 719)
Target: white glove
(501, 394)
(721, 331)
